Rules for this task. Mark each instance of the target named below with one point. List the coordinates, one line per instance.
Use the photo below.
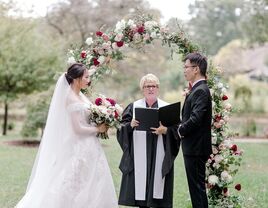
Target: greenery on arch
(109, 45)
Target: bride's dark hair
(75, 71)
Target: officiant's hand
(160, 130)
(102, 128)
(134, 123)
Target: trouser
(196, 174)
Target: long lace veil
(53, 146)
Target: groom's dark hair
(75, 71)
(199, 60)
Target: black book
(169, 115)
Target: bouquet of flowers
(107, 111)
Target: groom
(195, 128)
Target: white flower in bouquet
(105, 111)
(213, 179)
(89, 41)
(119, 108)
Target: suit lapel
(193, 88)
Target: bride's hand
(102, 128)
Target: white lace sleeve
(78, 113)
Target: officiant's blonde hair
(149, 78)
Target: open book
(169, 115)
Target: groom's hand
(160, 130)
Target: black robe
(171, 145)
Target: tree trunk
(5, 118)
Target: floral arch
(223, 164)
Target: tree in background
(28, 60)
(255, 24)
(76, 19)
(215, 23)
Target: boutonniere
(187, 91)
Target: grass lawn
(16, 164)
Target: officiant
(147, 163)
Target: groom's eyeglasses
(186, 67)
(150, 86)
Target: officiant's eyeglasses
(150, 86)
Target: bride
(70, 170)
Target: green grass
(16, 164)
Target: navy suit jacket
(196, 121)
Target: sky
(168, 8)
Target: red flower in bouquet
(98, 101)
(105, 111)
(83, 54)
(238, 187)
(116, 115)
(111, 101)
(224, 97)
(99, 33)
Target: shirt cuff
(179, 132)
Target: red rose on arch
(234, 148)
(225, 190)
(140, 29)
(98, 101)
(217, 118)
(119, 43)
(224, 97)
(83, 54)
(96, 62)
(99, 33)
(238, 187)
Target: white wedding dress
(70, 170)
